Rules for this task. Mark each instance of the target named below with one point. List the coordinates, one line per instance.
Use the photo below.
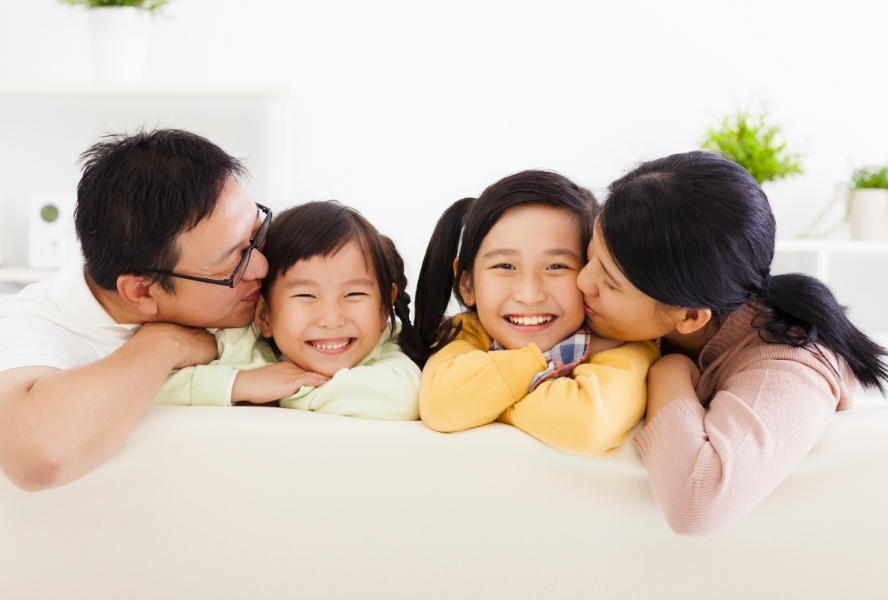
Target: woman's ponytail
(696, 230)
(802, 311)
(437, 279)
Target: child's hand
(600, 344)
(272, 383)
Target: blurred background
(400, 108)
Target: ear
(260, 317)
(394, 292)
(135, 291)
(690, 320)
(465, 289)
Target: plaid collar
(561, 358)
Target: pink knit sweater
(762, 408)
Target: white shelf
(174, 90)
(830, 246)
(823, 248)
(46, 126)
(23, 276)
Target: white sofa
(274, 503)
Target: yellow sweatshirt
(589, 413)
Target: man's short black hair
(139, 192)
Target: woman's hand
(672, 377)
(272, 383)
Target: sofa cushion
(247, 502)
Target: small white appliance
(51, 236)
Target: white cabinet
(44, 128)
(857, 273)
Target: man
(171, 245)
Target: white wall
(401, 107)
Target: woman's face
(614, 307)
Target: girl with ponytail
(754, 364)
(332, 330)
(519, 352)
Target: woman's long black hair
(696, 230)
(322, 229)
(462, 228)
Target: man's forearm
(58, 425)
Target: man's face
(212, 249)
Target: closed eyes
(348, 295)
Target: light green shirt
(384, 385)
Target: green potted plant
(119, 36)
(149, 5)
(868, 203)
(752, 141)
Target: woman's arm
(463, 386)
(591, 412)
(710, 467)
(672, 377)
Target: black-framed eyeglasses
(238, 273)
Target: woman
(754, 366)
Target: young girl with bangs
(332, 330)
(519, 353)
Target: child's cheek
(574, 310)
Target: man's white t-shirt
(57, 323)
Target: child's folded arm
(386, 390)
(208, 385)
(464, 386)
(201, 385)
(591, 412)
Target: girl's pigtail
(804, 311)
(409, 340)
(437, 277)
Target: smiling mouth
(589, 310)
(332, 346)
(529, 321)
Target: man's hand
(194, 346)
(272, 383)
(672, 377)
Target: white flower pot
(119, 43)
(868, 216)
